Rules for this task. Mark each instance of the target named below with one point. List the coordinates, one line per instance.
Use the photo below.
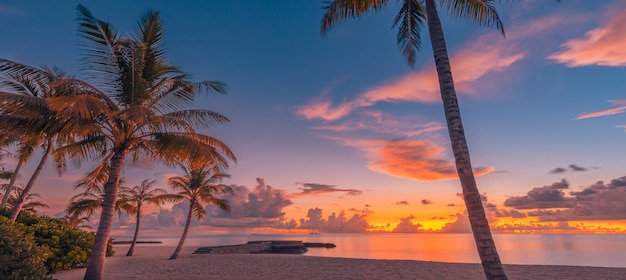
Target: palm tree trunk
(480, 226)
(182, 238)
(132, 244)
(95, 264)
(22, 199)
(7, 192)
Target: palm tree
(198, 186)
(135, 197)
(410, 20)
(138, 106)
(30, 203)
(27, 119)
(86, 203)
(75, 221)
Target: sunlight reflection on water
(552, 249)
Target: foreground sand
(150, 262)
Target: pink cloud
(619, 106)
(418, 160)
(601, 46)
(489, 53)
(381, 122)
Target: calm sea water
(549, 249)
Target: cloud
(551, 196)
(318, 189)
(261, 206)
(403, 202)
(502, 213)
(334, 223)
(619, 106)
(470, 64)
(461, 225)
(558, 170)
(572, 167)
(384, 123)
(406, 226)
(426, 201)
(417, 159)
(575, 167)
(600, 46)
(599, 201)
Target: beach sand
(150, 262)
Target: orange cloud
(417, 159)
(619, 107)
(601, 46)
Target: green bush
(68, 247)
(20, 257)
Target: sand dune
(150, 262)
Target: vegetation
(411, 18)
(136, 197)
(20, 257)
(199, 187)
(58, 245)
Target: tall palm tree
(136, 197)
(410, 20)
(138, 105)
(199, 187)
(27, 117)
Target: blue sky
(320, 116)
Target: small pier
(264, 247)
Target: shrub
(67, 246)
(20, 257)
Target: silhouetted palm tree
(136, 197)
(138, 105)
(199, 187)
(27, 119)
(29, 204)
(412, 17)
(86, 203)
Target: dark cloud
(558, 170)
(551, 196)
(403, 202)
(334, 223)
(598, 201)
(535, 228)
(317, 189)
(452, 204)
(426, 201)
(406, 226)
(503, 213)
(572, 167)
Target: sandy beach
(150, 262)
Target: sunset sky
(337, 133)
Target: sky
(337, 133)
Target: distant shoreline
(138, 242)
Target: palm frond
(339, 10)
(200, 118)
(100, 58)
(482, 12)
(409, 21)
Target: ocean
(546, 249)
